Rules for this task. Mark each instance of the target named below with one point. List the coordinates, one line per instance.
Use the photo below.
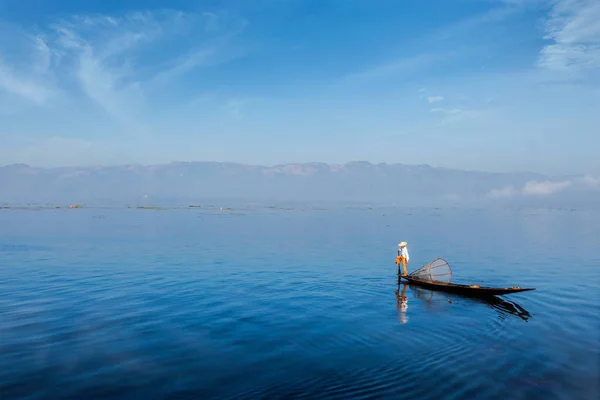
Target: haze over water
(258, 302)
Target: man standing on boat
(402, 257)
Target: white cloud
(573, 26)
(505, 192)
(452, 197)
(234, 108)
(545, 188)
(435, 99)
(537, 188)
(590, 181)
(446, 110)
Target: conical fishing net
(438, 270)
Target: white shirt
(404, 253)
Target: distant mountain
(399, 184)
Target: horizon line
(146, 165)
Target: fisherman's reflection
(402, 304)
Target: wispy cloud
(25, 76)
(446, 116)
(60, 151)
(435, 99)
(573, 27)
(112, 59)
(400, 68)
(234, 108)
(499, 14)
(21, 86)
(446, 110)
(546, 188)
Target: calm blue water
(272, 303)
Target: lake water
(295, 303)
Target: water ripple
(160, 305)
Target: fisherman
(402, 257)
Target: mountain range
(398, 184)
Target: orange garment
(400, 259)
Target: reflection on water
(436, 300)
(402, 304)
(508, 307)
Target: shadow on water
(504, 308)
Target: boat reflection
(431, 299)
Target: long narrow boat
(469, 290)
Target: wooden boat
(469, 290)
(437, 275)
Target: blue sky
(499, 85)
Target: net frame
(437, 270)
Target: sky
(495, 85)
